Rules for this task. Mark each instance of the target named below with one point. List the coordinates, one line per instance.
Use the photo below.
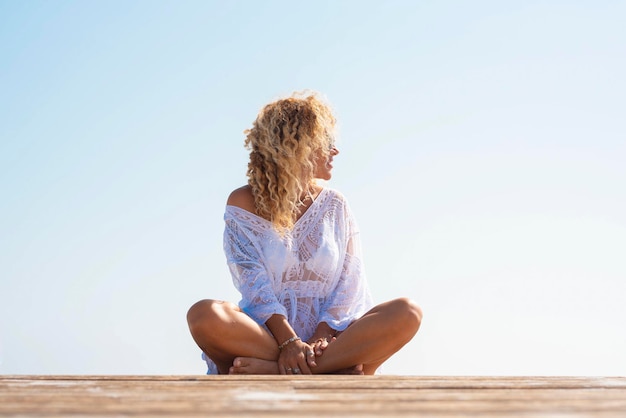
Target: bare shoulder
(242, 198)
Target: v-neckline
(268, 222)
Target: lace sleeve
(249, 275)
(351, 297)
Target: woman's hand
(322, 336)
(296, 357)
(320, 344)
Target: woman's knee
(407, 313)
(206, 314)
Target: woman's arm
(350, 297)
(249, 274)
(280, 328)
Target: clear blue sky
(482, 150)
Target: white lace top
(312, 275)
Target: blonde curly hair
(284, 141)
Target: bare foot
(355, 370)
(250, 365)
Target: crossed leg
(373, 338)
(237, 344)
(224, 332)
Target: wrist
(280, 328)
(324, 331)
(288, 341)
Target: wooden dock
(312, 396)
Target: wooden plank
(371, 396)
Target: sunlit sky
(483, 153)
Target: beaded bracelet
(289, 341)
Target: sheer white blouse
(312, 274)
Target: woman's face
(324, 164)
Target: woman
(293, 250)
